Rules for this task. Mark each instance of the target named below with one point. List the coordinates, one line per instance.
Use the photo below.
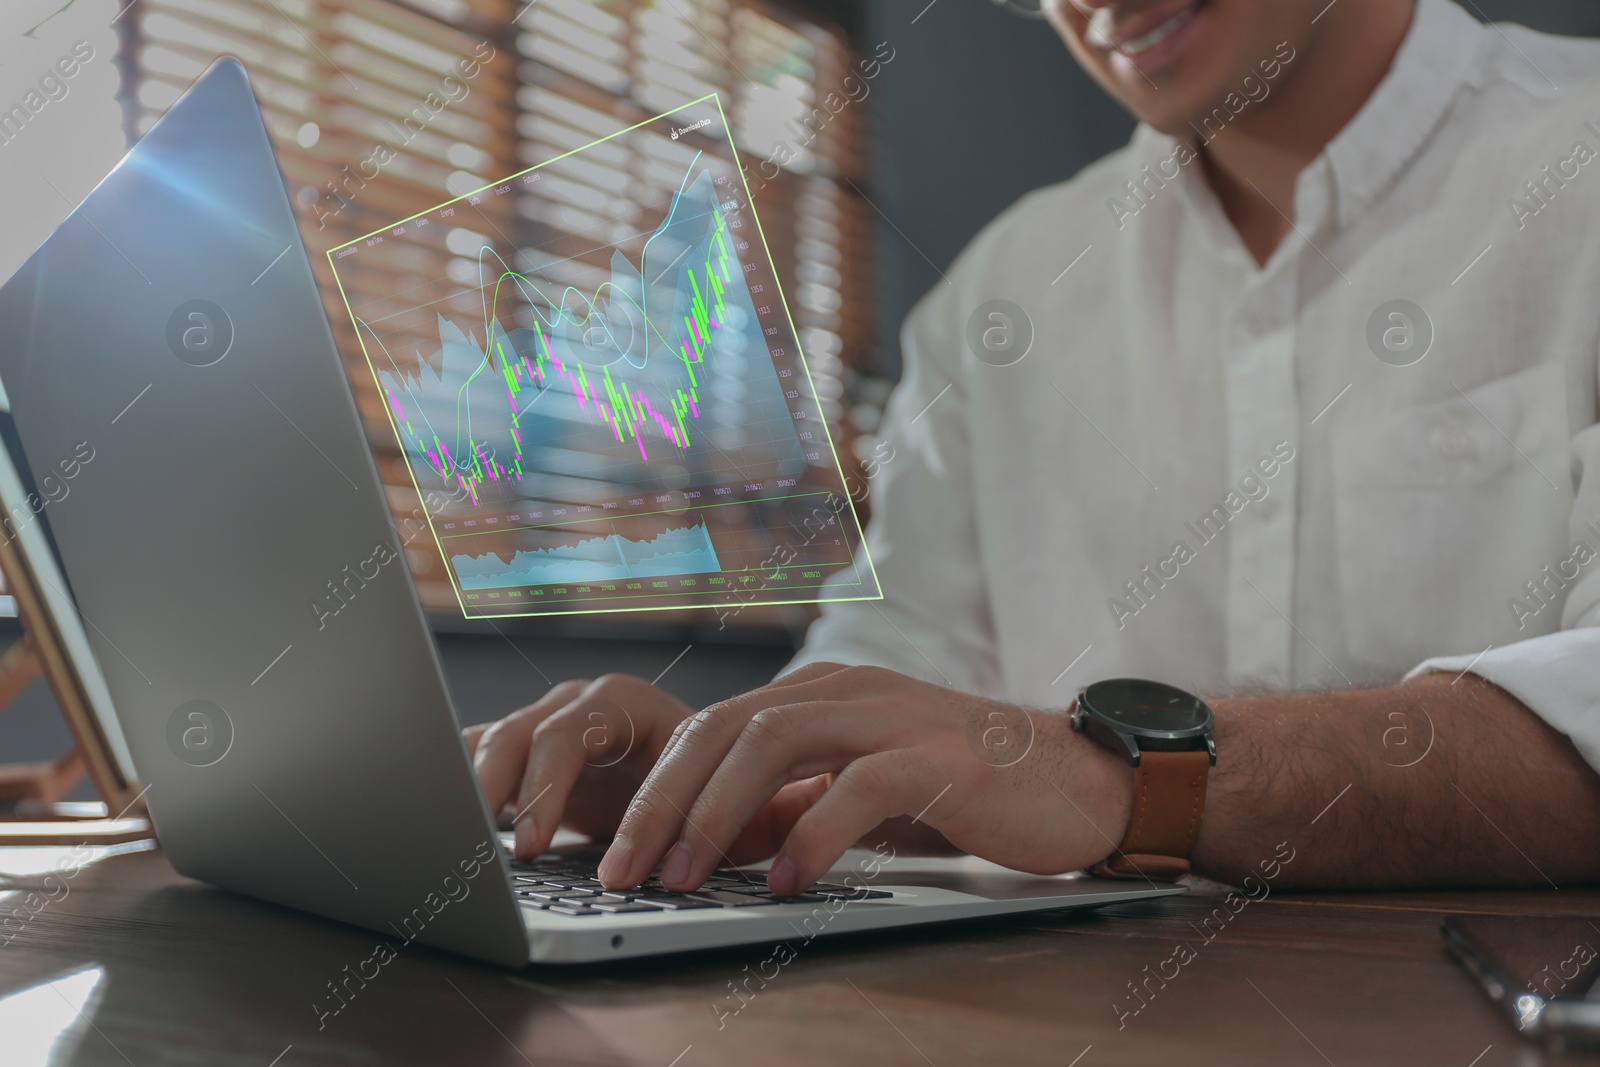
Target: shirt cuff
(1556, 676)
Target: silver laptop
(172, 324)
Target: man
(1301, 394)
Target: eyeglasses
(1028, 9)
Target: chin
(1171, 62)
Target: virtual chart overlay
(617, 413)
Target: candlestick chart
(615, 411)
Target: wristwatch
(1165, 734)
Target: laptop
(173, 325)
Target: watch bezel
(1129, 740)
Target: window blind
(381, 110)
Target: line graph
(682, 315)
(612, 399)
(612, 558)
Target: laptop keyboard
(565, 885)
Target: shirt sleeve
(933, 622)
(1557, 675)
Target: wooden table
(167, 972)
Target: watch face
(1146, 707)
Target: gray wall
(980, 106)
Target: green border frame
(805, 365)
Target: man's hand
(817, 759)
(573, 758)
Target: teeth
(1156, 36)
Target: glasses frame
(1021, 8)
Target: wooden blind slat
(344, 83)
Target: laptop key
(761, 892)
(573, 909)
(733, 900)
(536, 897)
(611, 907)
(670, 902)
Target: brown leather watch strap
(1169, 794)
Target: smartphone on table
(1543, 970)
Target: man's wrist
(1099, 784)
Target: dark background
(977, 107)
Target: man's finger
(655, 816)
(471, 735)
(656, 812)
(779, 745)
(590, 731)
(763, 696)
(502, 749)
(763, 835)
(871, 789)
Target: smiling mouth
(1144, 37)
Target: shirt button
(1449, 442)
(1268, 510)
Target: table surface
(137, 965)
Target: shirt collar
(1441, 53)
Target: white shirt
(1365, 517)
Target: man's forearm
(1450, 783)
